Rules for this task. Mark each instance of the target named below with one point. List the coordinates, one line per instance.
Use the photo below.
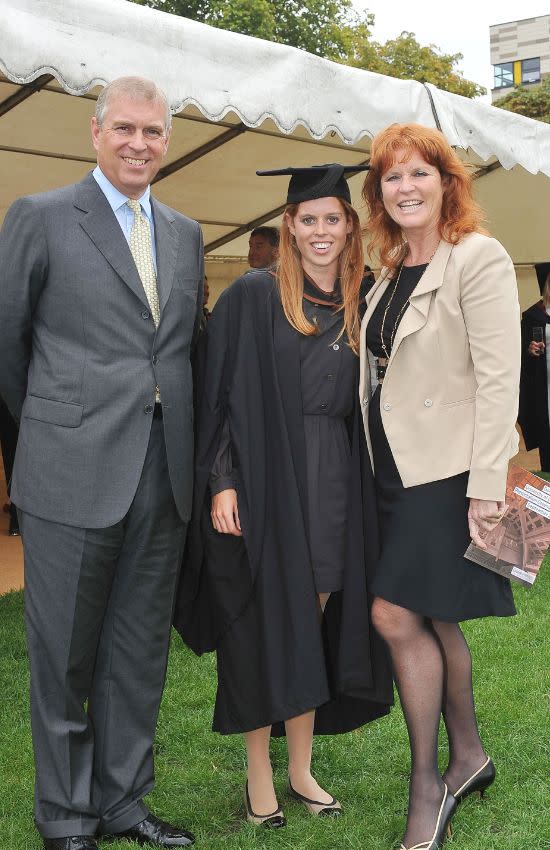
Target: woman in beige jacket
(440, 357)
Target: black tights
(433, 672)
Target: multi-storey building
(520, 53)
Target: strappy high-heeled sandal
(478, 781)
(442, 827)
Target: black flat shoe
(478, 781)
(157, 833)
(442, 826)
(314, 807)
(72, 842)
(275, 820)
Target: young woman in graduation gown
(284, 528)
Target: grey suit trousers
(91, 596)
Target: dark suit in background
(102, 482)
(533, 414)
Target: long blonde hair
(290, 278)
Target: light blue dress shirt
(124, 215)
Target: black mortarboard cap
(317, 181)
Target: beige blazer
(449, 399)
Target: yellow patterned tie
(140, 246)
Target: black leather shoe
(73, 842)
(13, 530)
(478, 782)
(157, 833)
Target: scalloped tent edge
(241, 104)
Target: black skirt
(424, 534)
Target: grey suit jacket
(80, 356)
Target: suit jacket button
(154, 359)
(323, 406)
(336, 347)
(428, 402)
(148, 408)
(387, 405)
(145, 314)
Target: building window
(530, 71)
(504, 75)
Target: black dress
(327, 380)
(253, 598)
(424, 529)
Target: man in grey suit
(100, 302)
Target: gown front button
(336, 347)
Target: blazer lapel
(416, 315)
(102, 227)
(375, 293)
(373, 297)
(167, 250)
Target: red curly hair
(460, 213)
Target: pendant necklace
(402, 310)
(398, 319)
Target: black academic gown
(253, 599)
(533, 396)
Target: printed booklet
(517, 545)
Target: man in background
(263, 247)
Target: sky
(461, 27)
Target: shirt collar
(115, 198)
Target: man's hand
(225, 513)
(483, 516)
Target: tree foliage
(534, 102)
(330, 28)
(405, 58)
(319, 26)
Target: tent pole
(24, 92)
(434, 110)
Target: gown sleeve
(223, 476)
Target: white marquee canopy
(240, 104)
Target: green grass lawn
(200, 775)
